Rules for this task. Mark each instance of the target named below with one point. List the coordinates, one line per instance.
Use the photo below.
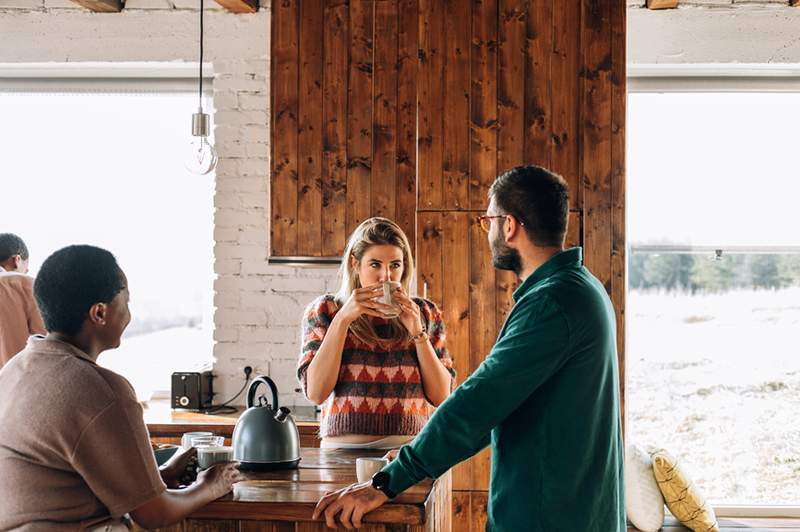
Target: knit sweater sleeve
(316, 320)
(434, 324)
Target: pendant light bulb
(202, 157)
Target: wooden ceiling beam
(664, 4)
(239, 6)
(101, 6)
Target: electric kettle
(265, 437)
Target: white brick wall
(258, 306)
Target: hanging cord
(201, 57)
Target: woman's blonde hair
(374, 232)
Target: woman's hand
(410, 315)
(180, 469)
(220, 478)
(363, 301)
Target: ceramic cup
(207, 441)
(186, 439)
(367, 467)
(388, 289)
(213, 454)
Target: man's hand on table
(180, 469)
(351, 503)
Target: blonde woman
(375, 376)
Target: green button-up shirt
(547, 399)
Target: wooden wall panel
(426, 101)
(359, 114)
(384, 105)
(430, 104)
(285, 59)
(483, 102)
(407, 58)
(309, 138)
(334, 135)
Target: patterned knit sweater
(379, 390)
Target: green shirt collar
(572, 257)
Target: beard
(505, 257)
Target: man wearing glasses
(546, 397)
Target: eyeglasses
(485, 221)
(486, 224)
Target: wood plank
(455, 256)
(309, 137)
(461, 511)
(618, 187)
(406, 172)
(511, 84)
(574, 230)
(483, 327)
(359, 116)
(334, 135)
(662, 4)
(239, 6)
(429, 256)
(211, 525)
(456, 116)
(538, 46)
(284, 79)
(431, 104)
(384, 128)
(596, 146)
(565, 101)
(479, 502)
(101, 6)
(483, 102)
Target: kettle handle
(251, 393)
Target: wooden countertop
(291, 495)
(161, 420)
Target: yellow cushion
(681, 495)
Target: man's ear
(511, 227)
(16, 260)
(98, 313)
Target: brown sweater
(19, 315)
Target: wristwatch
(421, 337)
(380, 481)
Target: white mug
(387, 299)
(208, 456)
(367, 467)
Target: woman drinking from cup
(372, 355)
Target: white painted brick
(227, 267)
(249, 201)
(226, 335)
(253, 101)
(252, 335)
(194, 5)
(223, 200)
(253, 236)
(22, 4)
(232, 148)
(241, 317)
(239, 83)
(240, 117)
(242, 184)
(228, 284)
(259, 134)
(255, 167)
(314, 285)
(239, 217)
(147, 4)
(226, 234)
(226, 300)
(256, 149)
(239, 251)
(226, 166)
(225, 101)
(229, 133)
(286, 335)
(60, 4)
(239, 349)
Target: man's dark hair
(536, 197)
(70, 281)
(10, 245)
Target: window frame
(699, 78)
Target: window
(713, 305)
(103, 164)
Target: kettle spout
(282, 414)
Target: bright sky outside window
(106, 169)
